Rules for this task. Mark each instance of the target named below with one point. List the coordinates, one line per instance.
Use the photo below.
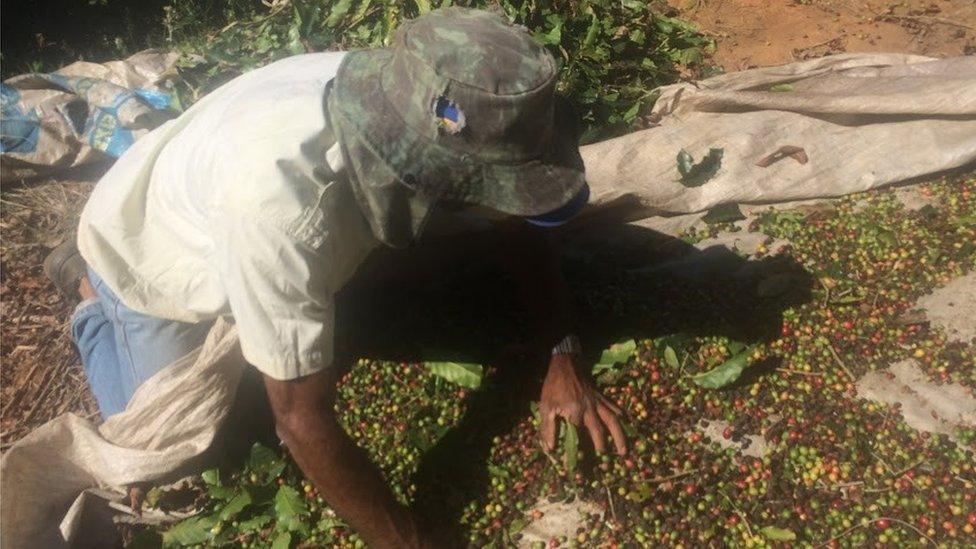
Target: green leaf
(591, 32)
(781, 88)
(619, 352)
(516, 526)
(289, 508)
(211, 477)
(670, 357)
(154, 496)
(723, 213)
(631, 113)
(253, 524)
(261, 459)
(423, 6)
(221, 492)
(327, 524)
(570, 447)
(735, 346)
(685, 162)
(338, 12)
(190, 531)
(235, 506)
(725, 373)
(605, 369)
(460, 373)
(282, 541)
(697, 174)
(773, 533)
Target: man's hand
(566, 395)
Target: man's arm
(307, 423)
(530, 253)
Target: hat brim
(361, 110)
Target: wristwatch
(569, 345)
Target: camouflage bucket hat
(460, 107)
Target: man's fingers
(612, 423)
(549, 430)
(595, 428)
(609, 404)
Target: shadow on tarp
(447, 300)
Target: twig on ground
(879, 519)
(840, 362)
(613, 512)
(799, 373)
(929, 18)
(657, 480)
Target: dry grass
(40, 373)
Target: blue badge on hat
(450, 118)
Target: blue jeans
(121, 348)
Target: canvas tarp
(861, 120)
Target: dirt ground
(40, 373)
(755, 33)
(41, 376)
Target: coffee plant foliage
(613, 52)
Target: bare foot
(85, 289)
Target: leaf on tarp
(154, 496)
(774, 533)
(725, 373)
(289, 508)
(723, 213)
(517, 526)
(671, 357)
(619, 352)
(222, 493)
(236, 504)
(786, 151)
(191, 531)
(685, 162)
(570, 440)
(464, 374)
(211, 477)
(282, 541)
(781, 88)
(697, 174)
